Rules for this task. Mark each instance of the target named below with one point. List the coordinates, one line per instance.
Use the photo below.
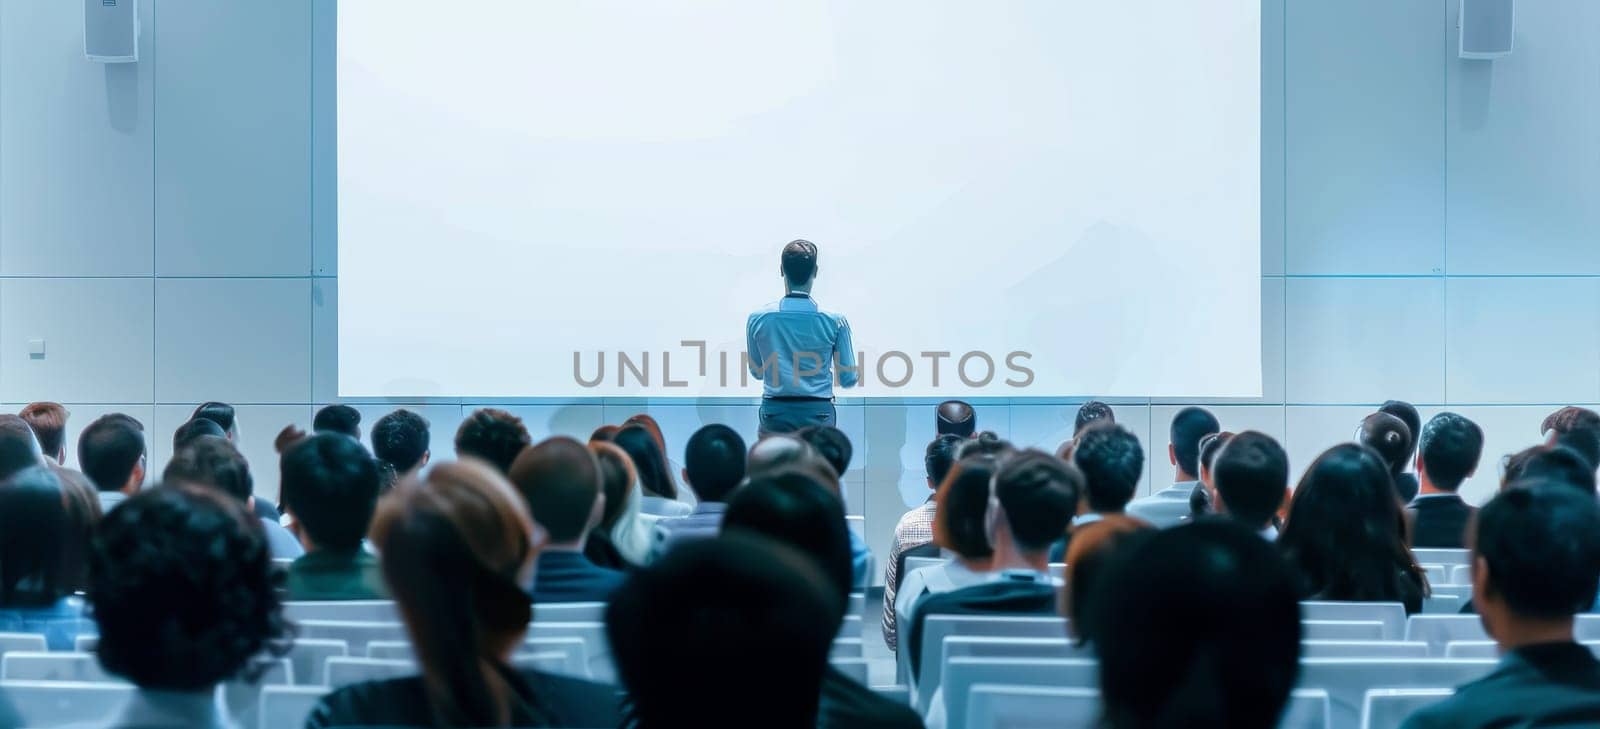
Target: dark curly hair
(400, 440)
(493, 435)
(182, 586)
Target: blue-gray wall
(1431, 231)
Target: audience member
(604, 433)
(1568, 419)
(458, 552)
(1170, 505)
(1093, 547)
(713, 466)
(1229, 655)
(830, 443)
(1584, 441)
(1345, 536)
(660, 491)
(1560, 464)
(400, 442)
(1090, 413)
(43, 552)
(954, 417)
(784, 452)
(222, 414)
(341, 419)
(1389, 437)
(493, 435)
(724, 634)
(111, 451)
(215, 462)
(181, 585)
(560, 480)
(194, 429)
(1252, 481)
(1406, 483)
(794, 510)
(330, 487)
(1200, 499)
(986, 443)
(19, 448)
(1111, 462)
(960, 528)
(622, 541)
(49, 423)
(1447, 455)
(83, 516)
(915, 528)
(1535, 564)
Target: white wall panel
(1511, 340)
(236, 340)
(1364, 340)
(96, 334)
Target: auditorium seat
(1450, 557)
(1391, 614)
(366, 611)
(916, 563)
(855, 668)
(569, 612)
(596, 645)
(1438, 574)
(1439, 630)
(936, 628)
(288, 706)
(964, 673)
(1341, 630)
(58, 703)
(1045, 707)
(22, 642)
(1347, 680)
(86, 643)
(1389, 708)
(1362, 649)
(343, 670)
(1461, 574)
(897, 693)
(355, 634)
(45, 666)
(308, 657)
(848, 648)
(1471, 649)
(1443, 603)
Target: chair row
(1069, 708)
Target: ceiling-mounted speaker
(1487, 28)
(111, 30)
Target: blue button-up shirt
(792, 346)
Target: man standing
(792, 346)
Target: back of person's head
(83, 518)
(1111, 461)
(41, 549)
(341, 419)
(940, 456)
(1039, 494)
(49, 423)
(560, 480)
(19, 448)
(797, 511)
(400, 439)
(195, 429)
(1251, 474)
(458, 552)
(1559, 464)
(954, 417)
(1536, 554)
(1210, 446)
(1188, 427)
(1345, 533)
(182, 586)
(493, 435)
(1407, 413)
(779, 453)
(1092, 547)
(1389, 437)
(1449, 449)
(756, 617)
(714, 462)
(649, 461)
(799, 262)
(961, 508)
(211, 461)
(985, 443)
(110, 450)
(1568, 419)
(830, 443)
(1090, 413)
(617, 480)
(330, 485)
(1232, 659)
(604, 433)
(1585, 441)
(220, 413)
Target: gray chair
(1391, 614)
(363, 611)
(1362, 649)
(1440, 630)
(964, 673)
(569, 612)
(1341, 630)
(22, 642)
(935, 628)
(309, 656)
(58, 703)
(1389, 708)
(1031, 707)
(596, 645)
(855, 668)
(288, 706)
(1347, 680)
(356, 634)
(1452, 557)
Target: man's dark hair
(193, 429)
(211, 461)
(799, 262)
(400, 439)
(961, 505)
(1450, 446)
(1558, 464)
(181, 583)
(1111, 461)
(1234, 658)
(220, 413)
(831, 443)
(560, 480)
(954, 417)
(1541, 542)
(493, 435)
(1407, 413)
(338, 419)
(795, 510)
(1039, 493)
(19, 448)
(330, 484)
(1251, 475)
(109, 449)
(1570, 418)
(49, 423)
(940, 457)
(714, 461)
(1586, 441)
(1188, 427)
(1389, 436)
(986, 443)
(1091, 412)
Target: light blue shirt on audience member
(280, 542)
(194, 709)
(60, 624)
(791, 325)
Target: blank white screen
(520, 180)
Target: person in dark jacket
(560, 480)
(1450, 448)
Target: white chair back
(356, 634)
(569, 612)
(1587, 628)
(596, 646)
(1031, 707)
(1307, 709)
(964, 673)
(362, 611)
(342, 671)
(309, 656)
(1444, 603)
(1347, 680)
(1057, 570)
(58, 703)
(1389, 708)
(935, 628)
(1439, 630)
(288, 706)
(1438, 574)
(898, 694)
(848, 648)
(574, 654)
(1391, 614)
(1450, 557)
(1341, 630)
(22, 642)
(916, 563)
(855, 668)
(1460, 574)
(86, 643)
(45, 666)
(1471, 649)
(1362, 649)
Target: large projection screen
(1012, 198)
